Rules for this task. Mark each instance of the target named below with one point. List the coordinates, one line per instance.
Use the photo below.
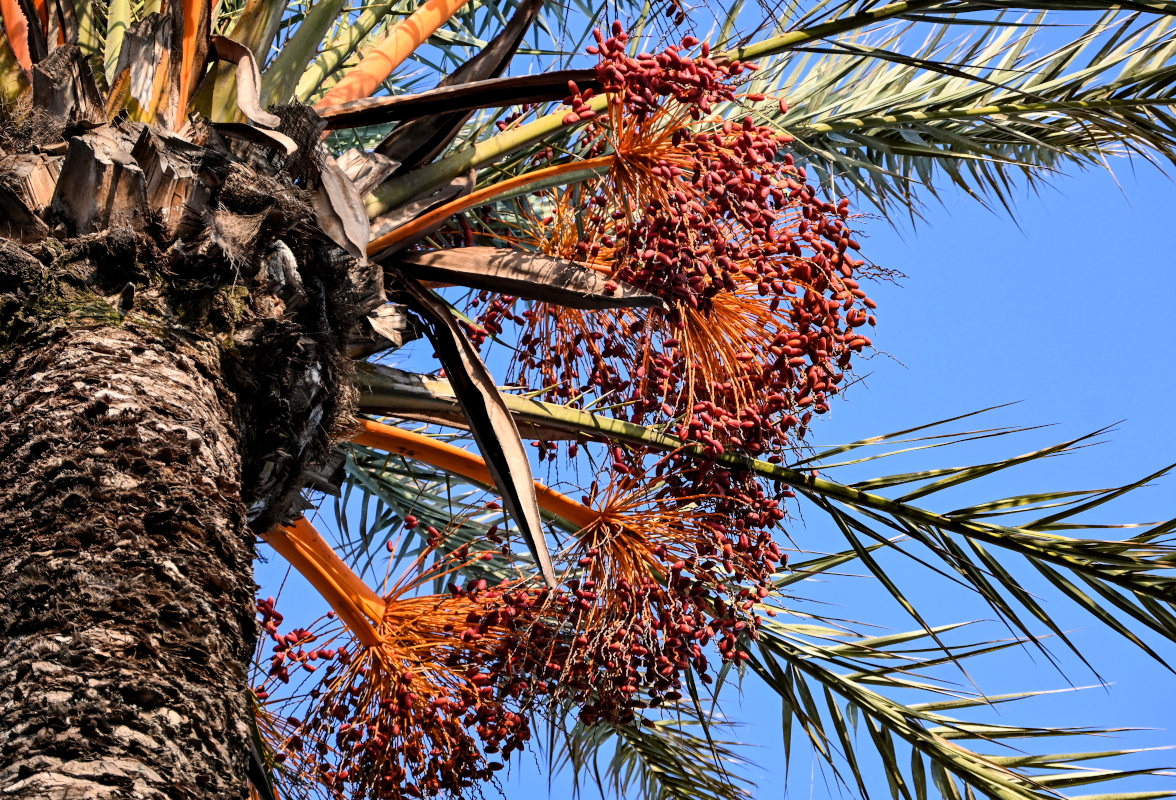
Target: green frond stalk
(1135, 566)
(403, 189)
(89, 35)
(289, 65)
(119, 18)
(853, 124)
(835, 27)
(341, 46)
(13, 83)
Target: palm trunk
(172, 333)
(125, 573)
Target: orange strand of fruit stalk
(197, 14)
(464, 463)
(479, 197)
(356, 603)
(16, 28)
(366, 76)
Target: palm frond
(1136, 575)
(898, 101)
(663, 758)
(893, 121)
(824, 695)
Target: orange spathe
(366, 76)
(356, 603)
(483, 195)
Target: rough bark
(125, 583)
(173, 326)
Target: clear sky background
(1067, 310)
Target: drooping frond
(665, 758)
(829, 675)
(889, 117)
(1135, 575)
(834, 689)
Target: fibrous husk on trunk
(174, 318)
(211, 240)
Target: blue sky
(1066, 311)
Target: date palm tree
(221, 218)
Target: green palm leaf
(830, 676)
(661, 759)
(802, 670)
(947, 95)
(889, 119)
